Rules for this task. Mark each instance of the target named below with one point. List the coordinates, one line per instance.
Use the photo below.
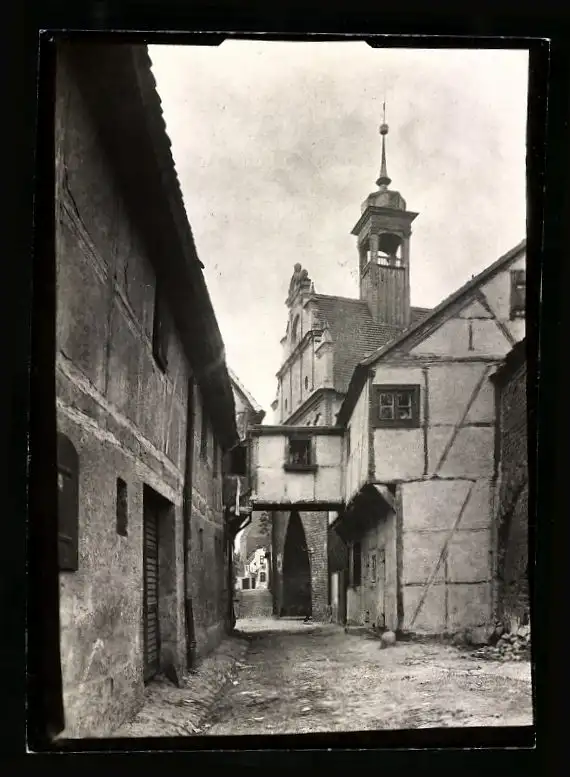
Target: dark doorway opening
(297, 599)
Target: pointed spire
(383, 181)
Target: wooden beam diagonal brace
(503, 328)
(453, 437)
(442, 556)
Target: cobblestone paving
(300, 678)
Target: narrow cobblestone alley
(302, 678)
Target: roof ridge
(342, 299)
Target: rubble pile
(506, 645)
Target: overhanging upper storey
(296, 466)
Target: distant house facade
(393, 496)
(144, 409)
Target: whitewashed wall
(273, 484)
(356, 472)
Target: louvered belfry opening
(151, 630)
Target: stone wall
(208, 551)
(127, 419)
(254, 604)
(512, 508)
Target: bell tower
(383, 232)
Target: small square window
(396, 406)
(518, 293)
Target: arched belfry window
(67, 504)
(295, 329)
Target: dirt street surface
(301, 678)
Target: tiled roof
(354, 332)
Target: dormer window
(518, 293)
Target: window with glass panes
(396, 406)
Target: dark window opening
(317, 419)
(397, 406)
(160, 332)
(348, 443)
(215, 457)
(67, 504)
(306, 382)
(201, 539)
(252, 583)
(285, 404)
(300, 452)
(262, 577)
(122, 508)
(204, 436)
(356, 564)
(518, 293)
(245, 582)
(237, 461)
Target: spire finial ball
(384, 129)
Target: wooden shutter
(150, 604)
(67, 504)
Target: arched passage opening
(297, 599)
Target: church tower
(383, 232)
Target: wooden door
(150, 598)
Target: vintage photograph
(291, 388)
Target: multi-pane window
(396, 406)
(518, 293)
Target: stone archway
(297, 588)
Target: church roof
(354, 332)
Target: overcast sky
(276, 145)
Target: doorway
(297, 595)
(159, 581)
